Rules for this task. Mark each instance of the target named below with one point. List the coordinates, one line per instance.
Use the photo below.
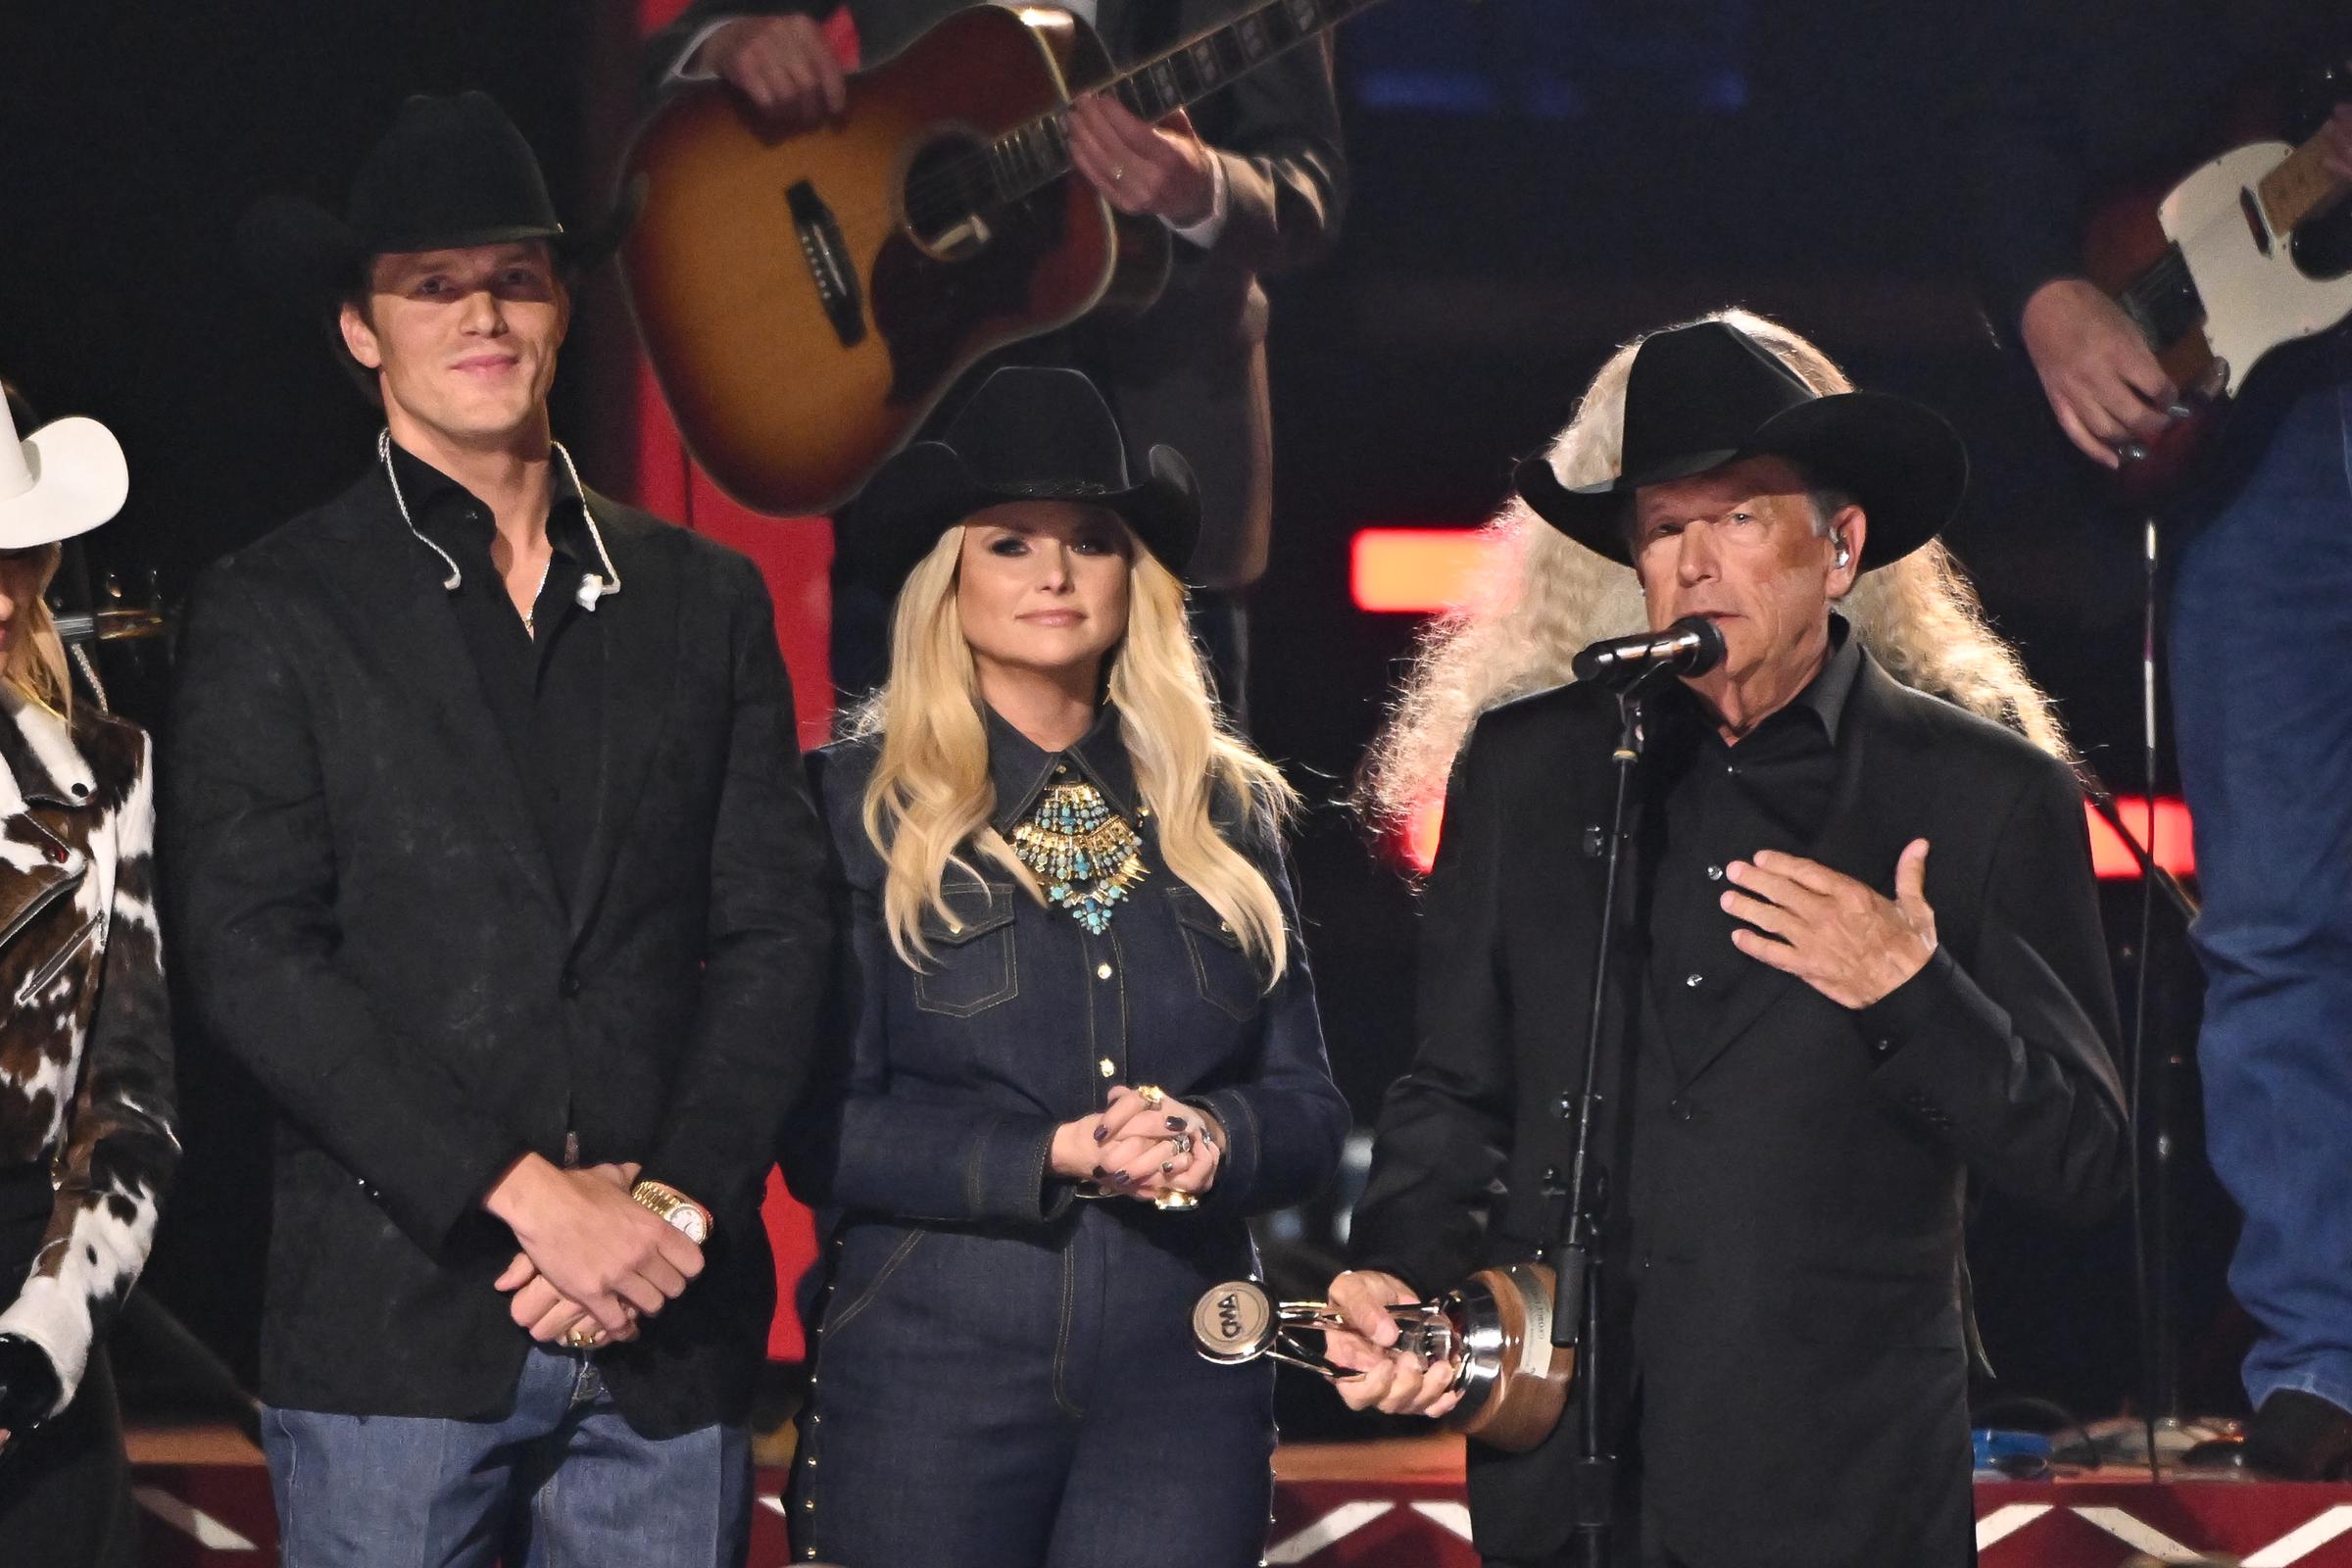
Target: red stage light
(1418, 571)
(2175, 849)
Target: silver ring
(1183, 1143)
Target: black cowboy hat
(1707, 394)
(450, 172)
(1026, 434)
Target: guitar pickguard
(2255, 296)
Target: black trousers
(65, 1490)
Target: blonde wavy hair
(1541, 596)
(35, 661)
(930, 795)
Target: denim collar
(1020, 769)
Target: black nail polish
(1166, 1166)
(1102, 1133)
(1098, 1173)
(1176, 1124)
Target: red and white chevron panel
(218, 1515)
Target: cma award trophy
(1495, 1329)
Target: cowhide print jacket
(86, 1049)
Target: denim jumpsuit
(1006, 1375)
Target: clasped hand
(1135, 1148)
(593, 1259)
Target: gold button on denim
(1102, 971)
(1106, 1066)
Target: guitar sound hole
(946, 198)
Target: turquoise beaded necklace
(1082, 852)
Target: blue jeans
(561, 1482)
(2261, 664)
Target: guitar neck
(2300, 187)
(1030, 156)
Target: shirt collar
(38, 760)
(448, 513)
(1825, 695)
(1020, 769)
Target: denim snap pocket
(1228, 981)
(972, 965)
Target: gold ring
(584, 1339)
(1150, 1095)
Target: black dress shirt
(544, 683)
(1719, 802)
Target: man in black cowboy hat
(1862, 961)
(494, 865)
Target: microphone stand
(1577, 1281)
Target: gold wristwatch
(674, 1208)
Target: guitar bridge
(829, 263)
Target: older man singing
(1863, 960)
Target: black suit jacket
(369, 922)
(1192, 370)
(1786, 1230)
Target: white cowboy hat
(64, 479)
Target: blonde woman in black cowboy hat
(497, 870)
(1868, 968)
(87, 1140)
(1077, 1039)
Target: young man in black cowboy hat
(494, 865)
(1863, 960)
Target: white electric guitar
(2227, 266)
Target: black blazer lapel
(391, 587)
(641, 666)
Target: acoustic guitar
(2245, 255)
(806, 300)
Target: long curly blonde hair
(1540, 597)
(929, 800)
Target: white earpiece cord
(592, 586)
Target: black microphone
(1692, 646)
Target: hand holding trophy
(1482, 1353)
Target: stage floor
(204, 1503)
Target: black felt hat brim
(309, 259)
(1902, 462)
(928, 488)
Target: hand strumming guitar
(2101, 379)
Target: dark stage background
(1534, 181)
